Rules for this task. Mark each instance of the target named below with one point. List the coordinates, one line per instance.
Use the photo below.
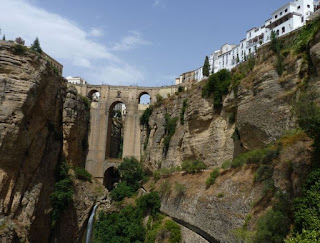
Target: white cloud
(96, 32)
(156, 3)
(67, 41)
(131, 41)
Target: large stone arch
(109, 128)
(97, 161)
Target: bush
(193, 166)
(159, 100)
(175, 231)
(218, 84)
(144, 119)
(183, 110)
(306, 208)
(121, 191)
(36, 46)
(180, 189)
(150, 203)
(165, 172)
(263, 173)
(131, 172)
(123, 226)
(20, 49)
(82, 174)
(170, 129)
(212, 178)
(306, 236)
(62, 195)
(165, 188)
(273, 226)
(180, 89)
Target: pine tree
(4, 37)
(206, 66)
(36, 46)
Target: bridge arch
(115, 130)
(94, 94)
(144, 98)
(110, 177)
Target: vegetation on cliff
(131, 174)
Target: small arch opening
(115, 134)
(111, 177)
(94, 95)
(144, 98)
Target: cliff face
(30, 140)
(76, 117)
(262, 107)
(41, 122)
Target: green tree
(206, 67)
(131, 172)
(4, 37)
(36, 46)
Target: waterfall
(90, 224)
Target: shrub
(180, 89)
(123, 226)
(144, 119)
(307, 236)
(149, 203)
(159, 100)
(193, 166)
(165, 172)
(121, 191)
(220, 195)
(232, 117)
(218, 84)
(82, 174)
(170, 129)
(165, 188)
(183, 110)
(62, 195)
(131, 172)
(175, 231)
(273, 226)
(306, 208)
(20, 41)
(264, 172)
(20, 49)
(180, 189)
(212, 178)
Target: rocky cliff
(41, 123)
(256, 112)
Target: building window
(280, 13)
(286, 10)
(277, 32)
(276, 16)
(308, 6)
(298, 7)
(302, 19)
(283, 29)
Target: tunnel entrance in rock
(115, 133)
(111, 177)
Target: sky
(132, 42)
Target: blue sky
(132, 42)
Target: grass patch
(165, 172)
(212, 178)
(183, 110)
(193, 166)
(82, 174)
(170, 129)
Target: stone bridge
(98, 159)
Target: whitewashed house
(76, 80)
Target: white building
(76, 80)
(284, 20)
(198, 74)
